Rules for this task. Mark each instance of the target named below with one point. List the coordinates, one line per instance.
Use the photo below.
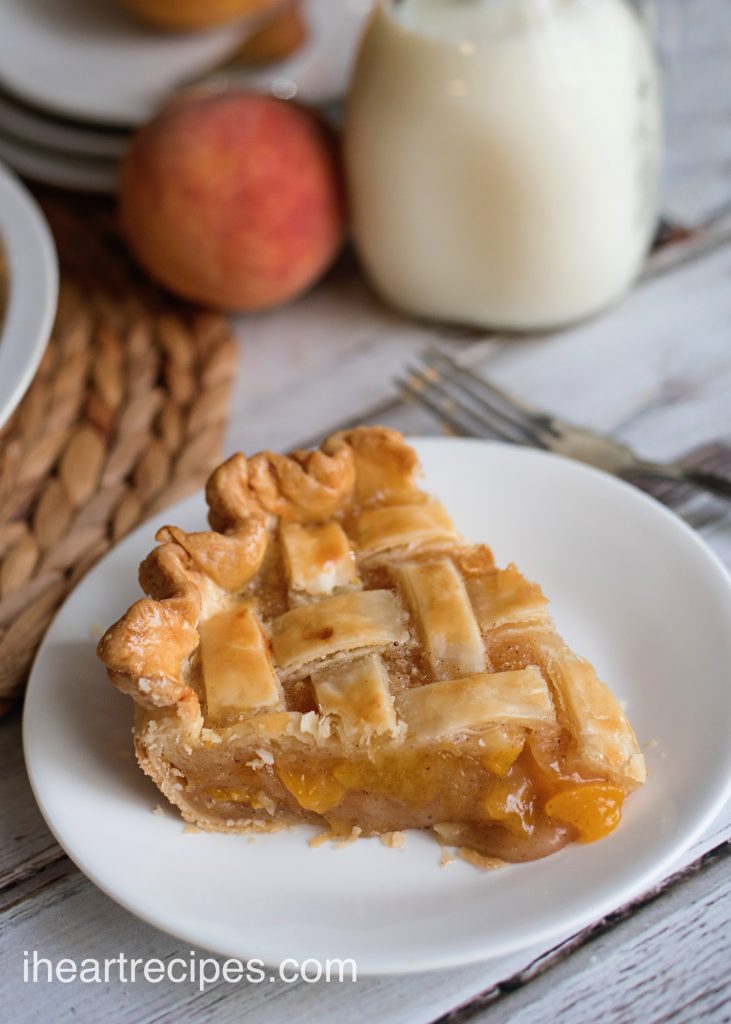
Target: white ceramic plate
(632, 588)
(32, 126)
(65, 170)
(87, 60)
(32, 290)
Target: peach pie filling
(506, 799)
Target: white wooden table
(657, 371)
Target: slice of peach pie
(332, 651)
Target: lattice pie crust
(332, 651)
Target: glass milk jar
(502, 157)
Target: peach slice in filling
(594, 809)
(500, 803)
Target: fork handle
(714, 483)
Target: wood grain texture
(26, 845)
(694, 985)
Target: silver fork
(470, 405)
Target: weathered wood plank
(667, 961)
(26, 845)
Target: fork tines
(468, 404)
(471, 405)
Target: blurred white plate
(633, 589)
(86, 59)
(34, 127)
(53, 167)
(31, 289)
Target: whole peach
(233, 200)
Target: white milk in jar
(502, 157)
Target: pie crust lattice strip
(332, 651)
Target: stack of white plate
(76, 78)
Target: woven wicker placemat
(124, 417)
